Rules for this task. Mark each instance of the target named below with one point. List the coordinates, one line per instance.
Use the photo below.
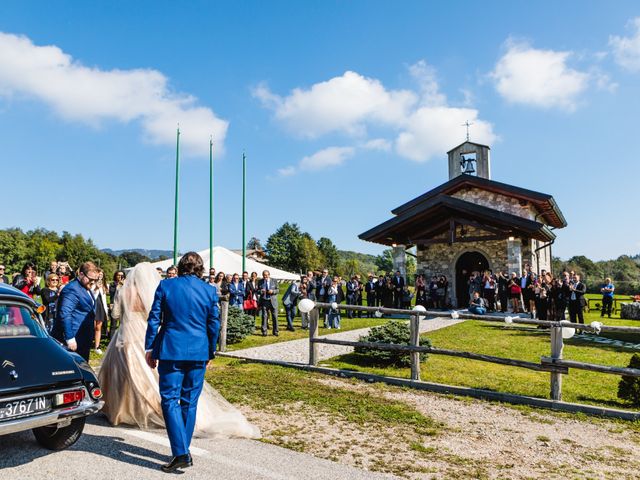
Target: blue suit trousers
(180, 385)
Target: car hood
(28, 363)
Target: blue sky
(344, 109)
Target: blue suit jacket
(76, 315)
(184, 321)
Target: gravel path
(297, 351)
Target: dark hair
(87, 267)
(116, 273)
(191, 264)
(26, 266)
(172, 267)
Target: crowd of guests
(542, 296)
(55, 278)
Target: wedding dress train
(130, 387)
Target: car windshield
(19, 321)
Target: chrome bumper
(60, 417)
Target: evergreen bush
(396, 332)
(239, 325)
(629, 387)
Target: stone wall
(440, 259)
(497, 201)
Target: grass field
(517, 342)
(257, 340)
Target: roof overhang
(427, 221)
(545, 204)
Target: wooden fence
(555, 364)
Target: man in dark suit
(268, 290)
(187, 310)
(380, 286)
(576, 299)
(352, 292)
(398, 286)
(323, 282)
(74, 322)
(370, 291)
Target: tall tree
(283, 247)
(330, 253)
(309, 255)
(384, 261)
(14, 251)
(254, 244)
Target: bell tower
(469, 158)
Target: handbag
(250, 304)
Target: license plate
(23, 408)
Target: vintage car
(43, 386)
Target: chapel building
(472, 223)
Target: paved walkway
(114, 453)
(297, 351)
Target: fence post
(314, 317)
(556, 353)
(224, 313)
(414, 326)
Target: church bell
(467, 165)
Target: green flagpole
(244, 210)
(175, 217)
(211, 202)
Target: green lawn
(270, 388)
(517, 342)
(257, 340)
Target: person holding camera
(607, 297)
(576, 299)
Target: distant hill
(367, 262)
(152, 254)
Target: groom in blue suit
(74, 324)
(182, 333)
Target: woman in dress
(27, 280)
(49, 296)
(99, 292)
(130, 387)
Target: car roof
(9, 291)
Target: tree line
(42, 246)
(288, 248)
(291, 249)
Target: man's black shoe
(181, 461)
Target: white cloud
(626, 50)
(322, 159)
(342, 104)
(422, 122)
(381, 144)
(91, 95)
(287, 171)
(431, 131)
(328, 157)
(540, 78)
(426, 77)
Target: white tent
(226, 261)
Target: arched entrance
(467, 263)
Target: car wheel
(55, 438)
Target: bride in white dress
(130, 387)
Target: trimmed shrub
(239, 325)
(396, 332)
(629, 387)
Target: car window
(19, 321)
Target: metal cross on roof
(467, 124)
